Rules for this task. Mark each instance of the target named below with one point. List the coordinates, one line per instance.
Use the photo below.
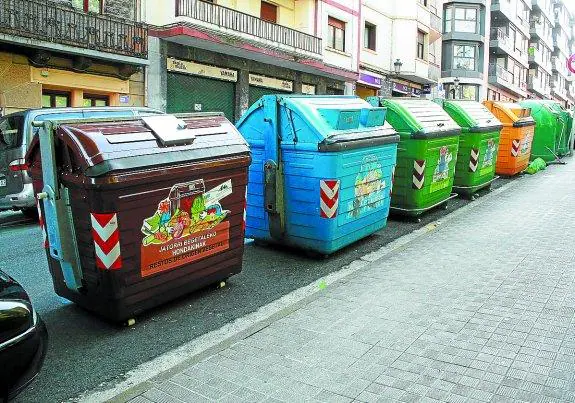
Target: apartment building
(561, 81)
(400, 48)
(542, 23)
(223, 55)
(71, 53)
(464, 63)
(508, 46)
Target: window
(369, 36)
(464, 91)
(420, 44)
(336, 34)
(465, 20)
(95, 100)
(11, 132)
(447, 19)
(55, 99)
(91, 6)
(269, 12)
(464, 57)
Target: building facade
(71, 53)
(510, 33)
(400, 48)
(542, 23)
(224, 55)
(562, 78)
(465, 54)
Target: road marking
(148, 374)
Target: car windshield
(11, 132)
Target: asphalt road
(86, 351)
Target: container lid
(97, 147)
(545, 106)
(421, 118)
(517, 115)
(330, 123)
(472, 115)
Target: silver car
(16, 132)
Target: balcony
(544, 6)
(500, 41)
(434, 72)
(436, 23)
(559, 66)
(534, 85)
(538, 32)
(558, 92)
(502, 10)
(224, 18)
(45, 21)
(536, 56)
(502, 78)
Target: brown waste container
(140, 211)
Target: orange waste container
(516, 136)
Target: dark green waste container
(478, 145)
(551, 138)
(427, 154)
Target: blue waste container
(321, 172)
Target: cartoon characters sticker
(490, 152)
(188, 225)
(442, 169)
(368, 188)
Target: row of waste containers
(137, 212)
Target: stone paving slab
(479, 310)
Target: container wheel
(130, 322)
(444, 206)
(221, 284)
(260, 243)
(316, 255)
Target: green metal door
(185, 92)
(258, 92)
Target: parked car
(16, 132)
(23, 339)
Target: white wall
(375, 14)
(348, 59)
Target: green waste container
(427, 154)
(478, 145)
(551, 138)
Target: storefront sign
(187, 67)
(571, 64)
(370, 80)
(124, 99)
(308, 89)
(406, 89)
(188, 225)
(269, 82)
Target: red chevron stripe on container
(42, 225)
(515, 147)
(106, 240)
(474, 159)
(329, 198)
(418, 174)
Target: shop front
(368, 84)
(264, 85)
(200, 87)
(407, 89)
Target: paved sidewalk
(481, 309)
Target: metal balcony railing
(248, 24)
(500, 72)
(47, 21)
